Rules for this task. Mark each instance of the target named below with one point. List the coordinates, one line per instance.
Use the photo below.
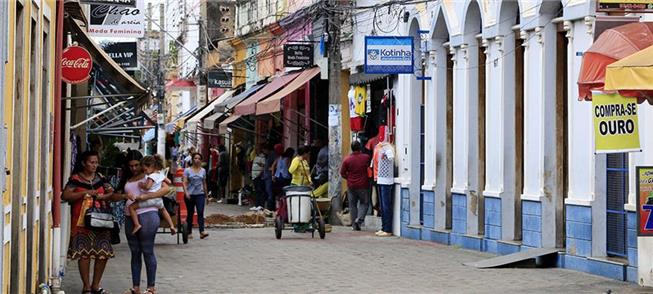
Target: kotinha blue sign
(389, 55)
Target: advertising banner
(389, 55)
(76, 65)
(124, 54)
(117, 21)
(130, 3)
(219, 79)
(298, 55)
(644, 200)
(638, 6)
(616, 128)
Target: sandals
(98, 291)
(203, 235)
(149, 291)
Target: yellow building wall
(38, 11)
(240, 52)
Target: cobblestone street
(253, 261)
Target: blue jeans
(386, 207)
(195, 201)
(268, 192)
(142, 246)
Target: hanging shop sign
(124, 54)
(616, 127)
(117, 21)
(637, 6)
(219, 79)
(129, 3)
(298, 55)
(389, 55)
(644, 200)
(76, 65)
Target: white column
(500, 129)
(466, 130)
(540, 163)
(644, 158)
(580, 124)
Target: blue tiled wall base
(579, 230)
(459, 214)
(532, 224)
(596, 267)
(466, 242)
(410, 232)
(493, 218)
(428, 208)
(504, 248)
(578, 227)
(631, 241)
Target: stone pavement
(253, 261)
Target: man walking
(354, 170)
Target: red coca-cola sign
(76, 65)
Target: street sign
(389, 55)
(124, 54)
(117, 21)
(644, 195)
(130, 3)
(76, 65)
(219, 79)
(298, 55)
(635, 6)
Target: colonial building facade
(495, 150)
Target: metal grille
(617, 191)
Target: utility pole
(335, 107)
(161, 134)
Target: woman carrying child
(141, 244)
(152, 166)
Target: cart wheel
(184, 233)
(278, 227)
(322, 228)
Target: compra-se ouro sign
(616, 126)
(389, 55)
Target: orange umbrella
(612, 45)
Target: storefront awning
(199, 115)
(632, 74)
(179, 121)
(209, 121)
(225, 123)
(273, 103)
(248, 106)
(363, 78)
(612, 45)
(118, 75)
(230, 103)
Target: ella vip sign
(616, 128)
(389, 55)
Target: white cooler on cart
(298, 204)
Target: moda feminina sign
(117, 21)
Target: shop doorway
(617, 193)
(562, 131)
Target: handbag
(115, 234)
(98, 218)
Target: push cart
(177, 209)
(298, 211)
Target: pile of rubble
(248, 220)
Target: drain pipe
(57, 181)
